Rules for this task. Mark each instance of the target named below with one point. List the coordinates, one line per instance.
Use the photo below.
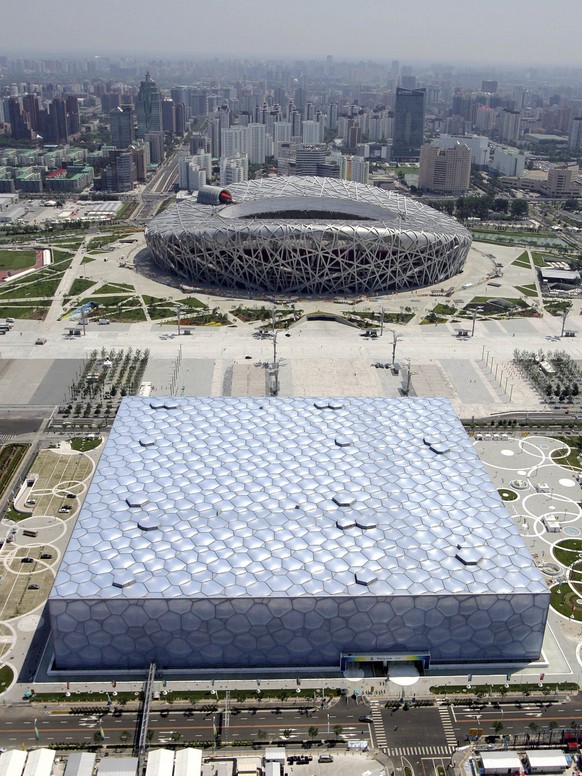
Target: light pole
(475, 311)
(395, 339)
(179, 318)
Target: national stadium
(307, 235)
(288, 532)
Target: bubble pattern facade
(241, 532)
(269, 241)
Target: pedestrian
(395, 727)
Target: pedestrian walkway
(424, 751)
(378, 725)
(445, 715)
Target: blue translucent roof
(278, 497)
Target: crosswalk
(445, 715)
(378, 725)
(423, 751)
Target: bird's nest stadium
(309, 236)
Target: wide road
(55, 724)
(414, 735)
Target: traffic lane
(418, 726)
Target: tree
(124, 736)
(519, 208)
(287, 733)
(533, 726)
(338, 730)
(262, 735)
(497, 726)
(313, 732)
(176, 736)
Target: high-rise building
(20, 127)
(408, 131)
(256, 143)
(358, 169)
(575, 134)
(234, 169)
(445, 170)
(312, 132)
(507, 125)
(489, 86)
(121, 122)
(148, 108)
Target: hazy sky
(527, 32)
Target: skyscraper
(149, 107)
(408, 134)
(121, 124)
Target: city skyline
(500, 35)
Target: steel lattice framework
(311, 236)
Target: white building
(282, 132)
(234, 169)
(508, 161)
(312, 132)
(194, 171)
(256, 144)
(478, 144)
(359, 169)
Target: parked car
(46, 556)
(27, 560)
(34, 587)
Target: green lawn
(84, 444)
(115, 288)
(529, 290)
(538, 259)
(80, 285)
(15, 260)
(6, 678)
(36, 311)
(87, 260)
(38, 289)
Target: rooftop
(281, 497)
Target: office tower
(122, 126)
(168, 117)
(489, 86)
(121, 173)
(445, 170)
(408, 81)
(180, 116)
(308, 158)
(73, 117)
(156, 142)
(408, 132)
(148, 107)
(575, 134)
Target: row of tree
(481, 207)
